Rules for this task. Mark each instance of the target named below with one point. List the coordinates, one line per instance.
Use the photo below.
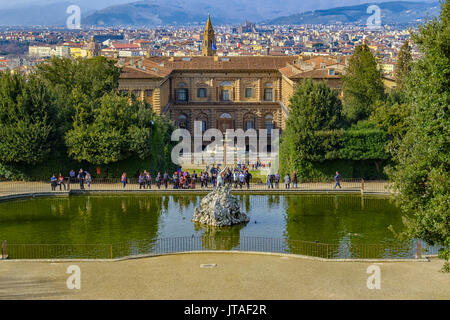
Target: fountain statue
(220, 208)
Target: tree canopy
(72, 109)
(362, 85)
(27, 119)
(422, 175)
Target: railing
(99, 184)
(406, 250)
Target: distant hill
(397, 12)
(53, 14)
(144, 14)
(194, 12)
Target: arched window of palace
(182, 121)
(249, 122)
(201, 92)
(203, 118)
(226, 116)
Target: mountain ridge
(394, 12)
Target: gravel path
(236, 276)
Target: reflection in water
(225, 238)
(135, 221)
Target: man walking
(337, 178)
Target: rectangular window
(201, 93)
(268, 95)
(137, 93)
(149, 93)
(182, 95)
(248, 92)
(225, 95)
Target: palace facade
(236, 92)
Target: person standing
(61, 181)
(158, 180)
(337, 178)
(81, 177)
(277, 180)
(269, 179)
(71, 176)
(88, 180)
(141, 181)
(148, 179)
(248, 177)
(241, 179)
(287, 181)
(166, 180)
(294, 179)
(175, 180)
(53, 181)
(124, 180)
(236, 178)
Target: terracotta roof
(133, 69)
(315, 74)
(125, 46)
(224, 63)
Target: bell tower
(209, 40)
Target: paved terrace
(11, 188)
(236, 276)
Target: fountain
(220, 208)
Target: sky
(300, 5)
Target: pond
(133, 222)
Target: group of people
(239, 176)
(82, 177)
(274, 180)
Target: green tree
(314, 107)
(27, 120)
(362, 85)
(100, 133)
(422, 175)
(391, 116)
(76, 82)
(403, 64)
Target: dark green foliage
(362, 85)
(27, 120)
(315, 136)
(403, 64)
(363, 142)
(422, 175)
(314, 107)
(68, 115)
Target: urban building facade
(238, 92)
